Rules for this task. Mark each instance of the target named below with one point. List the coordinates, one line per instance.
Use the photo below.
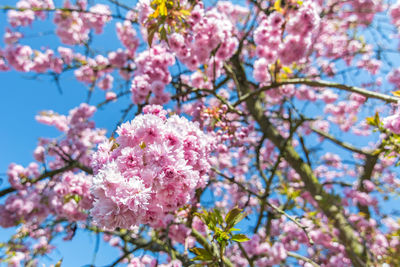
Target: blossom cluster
(74, 23)
(25, 17)
(392, 123)
(299, 28)
(24, 58)
(81, 135)
(67, 195)
(127, 35)
(152, 75)
(211, 30)
(394, 77)
(158, 164)
(74, 27)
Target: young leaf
(151, 31)
(218, 216)
(240, 238)
(277, 6)
(163, 34)
(163, 9)
(58, 264)
(201, 254)
(234, 216)
(396, 93)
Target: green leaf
(221, 235)
(58, 264)
(163, 34)
(198, 251)
(142, 145)
(184, 12)
(396, 93)
(277, 6)
(218, 216)
(212, 220)
(151, 31)
(201, 254)
(240, 238)
(163, 9)
(203, 258)
(234, 216)
(77, 198)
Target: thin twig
(300, 257)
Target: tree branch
(300, 257)
(352, 89)
(341, 143)
(47, 174)
(320, 83)
(328, 203)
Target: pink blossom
(111, 96)
(156, 168)
(19, 57)
(392, 123)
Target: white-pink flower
(158, 165)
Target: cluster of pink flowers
(370, 64)
(268, 38)
(392, 123)
(152, 75)
(69, 197)
(11, 37)
(18, 176)
(394, 77)
(155, 170)
(74, 27)
(363, 11)
(97, 71)
(25, 17)
(23, 58)
(363, 198)
(333, 41)
(395, 14)
(127, 35)
(148, 261)
(19, 57)
(344, 113)
(46, 61)
(66, 195)
(81, 134)
(211, 29)
(93, 69)
(271, 254)
(300, 28)
(24, 206)
(233, 12)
